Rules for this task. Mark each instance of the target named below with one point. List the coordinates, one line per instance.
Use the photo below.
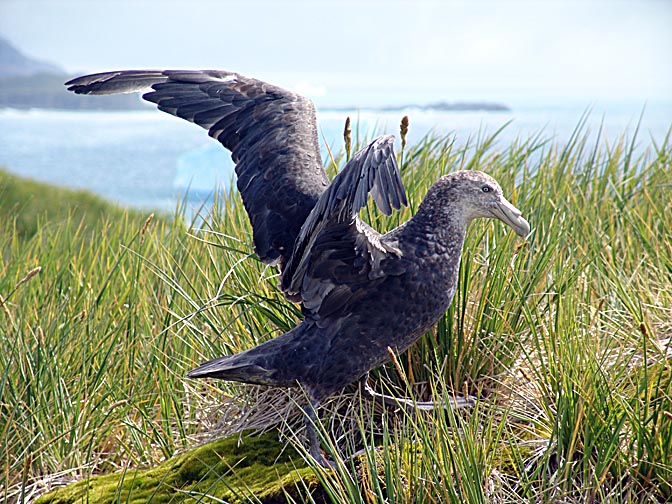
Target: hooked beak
(510, 215)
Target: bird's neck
(441, 228)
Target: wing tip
(115, 82)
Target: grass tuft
(565, 338)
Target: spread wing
(271, 133)
(337, 256)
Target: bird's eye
(486, 188)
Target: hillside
(26, 83)
(47, 91)
(26, 205)
(14, 63)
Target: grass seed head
(403, 129)
(347, 136)
(27, 278)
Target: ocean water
(149, 159)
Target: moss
(265, 471)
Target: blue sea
(148, 159)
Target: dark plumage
(360, 292)
(271, 133)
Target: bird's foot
(364, 451)
(313, 438)
(453, 403)
(410, 404)
(323, 461)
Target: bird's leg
(313, 438)
(409, 404)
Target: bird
(363, 294)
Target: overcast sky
(452, 50)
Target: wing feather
(337, 255)
(271, 133)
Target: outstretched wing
(337, 255)
(271, 133)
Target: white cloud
(309, 89)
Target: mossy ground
(234, 469)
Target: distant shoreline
(458, 106)
(46, 91)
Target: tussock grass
(565, 338)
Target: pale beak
(510, 215)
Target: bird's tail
(234, 368)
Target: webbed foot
(410, 404)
